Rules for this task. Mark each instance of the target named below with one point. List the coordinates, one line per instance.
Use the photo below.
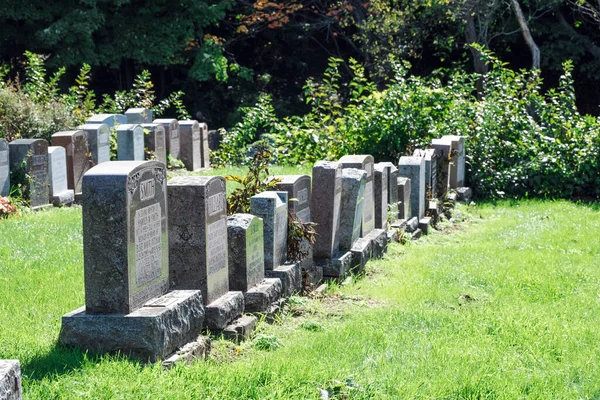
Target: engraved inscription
(147, 190)
(216, 235)
(39, 160)
(216, 204)
(255, 255)
(148, 244)
(302, 196)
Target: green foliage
(300, 238)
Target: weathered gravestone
(382, 172)
(98, 136)
(155, 141)
(403, 187)
(10, 380)
(351, 207)
(78, 160)
(4, 168)
(414, 169)
(443, 148)
(366, 163)
(190, 153)
(214, 139)
(204, 146)
(456, 177)
(130, 142)
(139, 116)
(112, 120)
(171, 136)
(247, 263)
(60, 194)
(126, 267)
(431, 169)
(29, 167)
(198, 245)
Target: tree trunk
(535, 51)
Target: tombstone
(60, 194)
(382, 172)
(403, 187)
(98, 136)
(443, 148)
(190, 153)
(430, 157)
(139, 116)
(130, 142)
(214, 139)
(78, 161)
(154, 141)
(29, 167)
(126, 268)
(171, 135)
(4, 170)
(112, 120)
(325, 205)
(351, 207)
(456, 177)
(10, 380)
(414, 169)
(198, 235)
(273, 209)
(204, 145)
(366, 163)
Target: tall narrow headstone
(125, 240)
(366, 163)
(351, 207)
(4, 169)
(430, 156)
(403, 186)
(112, 120)
(457, 160)
(60, 194)
(139, 116)
(325, 207)
(246, 251)
(98, 136)
(190, 153)
(198, 235)
(172, 136)
(29, 167)
(273, 209)
(155, 141)
(204, 145)
(78, 160)
(130, 142)
(10, 380)
(414, 169)
(443, 148)
(381, 195)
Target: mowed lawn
(506, 306)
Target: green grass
(505, 307)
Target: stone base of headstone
(290, 276)
(424, 224)
(392, 235)
(416, 234)
(197, 350)
(452, 197)
(398, 224)
(150, 333)
(412, 225)
(240, 329)
(464, 194)
(312, 275)
(10, 380)
(222, 311)
(362, 250)
(64, 198)
(338, 266)
(259, 298)
(378, 238)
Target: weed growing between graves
(505, 307)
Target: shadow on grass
(58, 361)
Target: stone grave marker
(10, 380)
(214, 139)
(366, 163)
(155, 141)
(60, 194)
(351, 207)
(414, 169)
(204, 145)
(139, 116)
(325, 205)
(126, 267)
(130, 142)
(430, 156)
(382, 172)
(456, 177)
(273, 209)
(246, 251)
(4, 168)
(443, 148)
(403, 186)
(78, 160)
(98, 136)
(190, 142)
(112, 120)
(198, 235)
(172, 136)
(30, 157)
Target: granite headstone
(351, 207)
(171, 136)
(366, 163)
(29, 167)
(78, 160)
(204, 145)
(457, 161)
(403, 186)
(98, 136)
(130, 142)
(414, 169)
(139, 116)
(190, 141)
(112, 120)
(273, 209)
(154, 140)
(4, 168)
(381, 195)
(246, 251)
(325, 204)
(60, 194)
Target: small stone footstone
(241, 328)
(57, 171)
(171, 135)
(464, 194)
(338, 266)
(290, 276)
(29, 167)
(222, 311)
(362, 251)
(260, 297)
(190, 152)
(412, 225)
(196, 350)
(155, 141)
(416, 234)
(4, 168)
(130, 142)
(392, 235)
(424, 224)
(399, 224)
(10, 380)
(138, 116)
